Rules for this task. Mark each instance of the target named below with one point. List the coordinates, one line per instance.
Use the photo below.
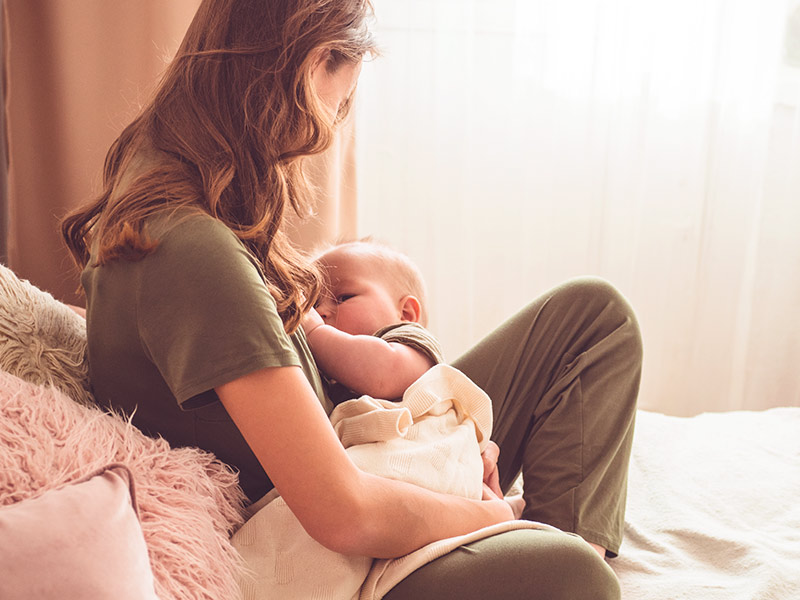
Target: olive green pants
(563, 375)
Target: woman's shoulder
(187, 225)
(193, 253)
(189, 235)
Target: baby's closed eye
(325, 299)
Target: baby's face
(357, 299)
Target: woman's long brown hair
(229, 123)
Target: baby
(399, 414)
(367, 333)
(372, 312)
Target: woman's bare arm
(364, 363)
(340, 506)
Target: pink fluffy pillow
(189, 502)
(79, 541)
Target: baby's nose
(327, 310)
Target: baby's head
(369, 286)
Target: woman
(195, 299)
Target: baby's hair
(405, 275)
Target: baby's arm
(363, 363)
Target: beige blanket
(713, 508)
(433, 438)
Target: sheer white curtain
(507, 145)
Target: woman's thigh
(582, 332)
(521, 564)
(563, 375)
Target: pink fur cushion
(189, 502)
(79, 541)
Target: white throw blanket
(713, 508)
(433, 438)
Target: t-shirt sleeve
(414, 335)
(204, 313)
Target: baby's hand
(311, 321)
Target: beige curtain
(77, 71)
(504, 146)
(333, 176)
(3, 143)
(509, 145)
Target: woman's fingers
(493, 482)
(491, 476)
(488, 493)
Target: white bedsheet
(713, 508)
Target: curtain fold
(4, 214)
(77, 71)
(507, 146)
(332, 175)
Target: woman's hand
(504, 511)
(491, 481)
(491, 476)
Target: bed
(713, 510)
(713, 507)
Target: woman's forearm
(395, 518)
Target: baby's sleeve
(414, 335)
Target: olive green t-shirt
(165, 330)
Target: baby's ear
(410, 309)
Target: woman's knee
(586, 575)
(529, 564)
(562, 566)
(602, 304)
(593, 291)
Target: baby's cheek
(351, 322)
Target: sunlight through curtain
(509, 144)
